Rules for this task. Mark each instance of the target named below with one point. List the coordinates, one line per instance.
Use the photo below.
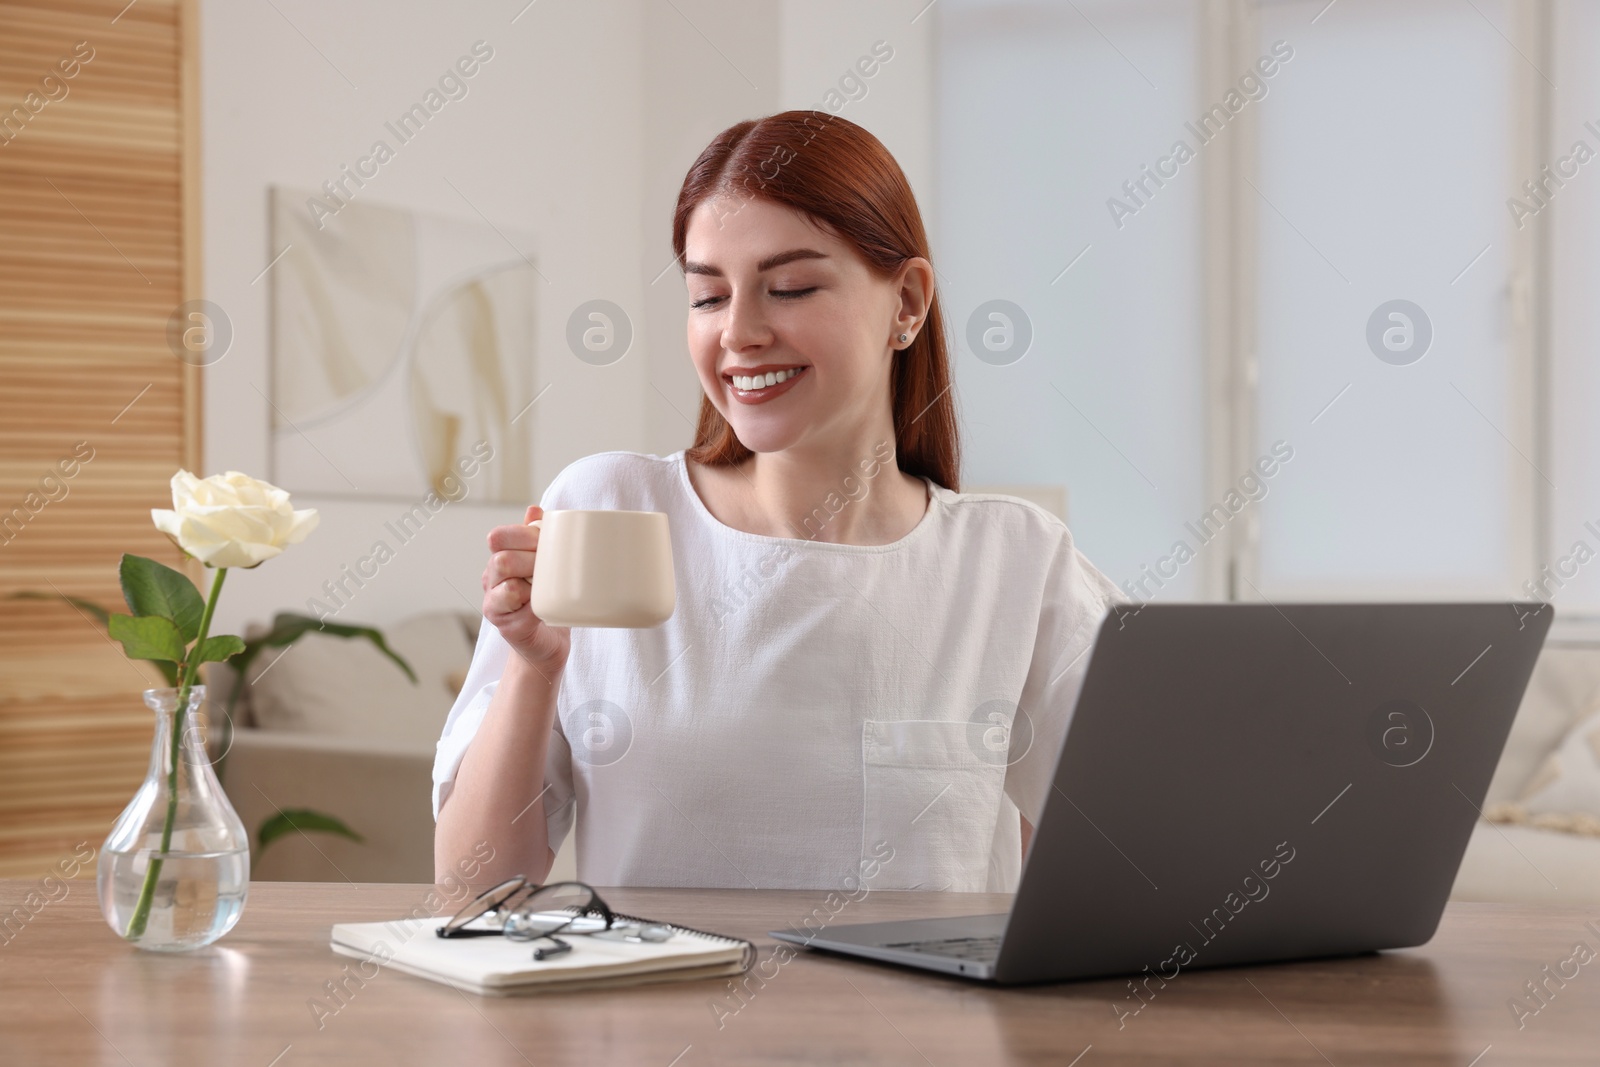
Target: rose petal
(168, 522)
(304, 522)
(231, 519)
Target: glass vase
(174, 871)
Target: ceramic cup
(603, 568)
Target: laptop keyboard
(961, 948)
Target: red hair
(842, 177)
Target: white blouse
(812, 707)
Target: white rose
(232, 519)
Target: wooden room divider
(99, 246)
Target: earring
(903, 338)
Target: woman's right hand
(507, 585)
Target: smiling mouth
(755, 383)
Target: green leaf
(218, 648)
(154, 589)
(287, 822)
(81, 604)
(148, 637)
(288, 627)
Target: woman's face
(772, 292)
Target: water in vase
(198, 895)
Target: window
(1091, 325)
(1336, 285)
(1569, 576)
(1382, 161)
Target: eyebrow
(767, 264)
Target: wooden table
(71, 993)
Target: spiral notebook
(497, 966)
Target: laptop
(1245, 783)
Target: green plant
(301, 819)
(287, 628)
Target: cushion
(345, 687)
(1565, 792)
(1564, 688)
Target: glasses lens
(490, 900)
(562, 906)
(634, 932)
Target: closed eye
(785, 294)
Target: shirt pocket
(933, 800)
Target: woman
(868, 674)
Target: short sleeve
(461, 726)
(1076, 597)
(489, 658)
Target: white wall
(822, 41)
(546, 142)
(695, 87)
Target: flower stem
(189, 671)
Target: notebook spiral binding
(751, 952)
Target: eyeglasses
(522, 911)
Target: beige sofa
(334, 726)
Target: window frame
(1232, 41)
